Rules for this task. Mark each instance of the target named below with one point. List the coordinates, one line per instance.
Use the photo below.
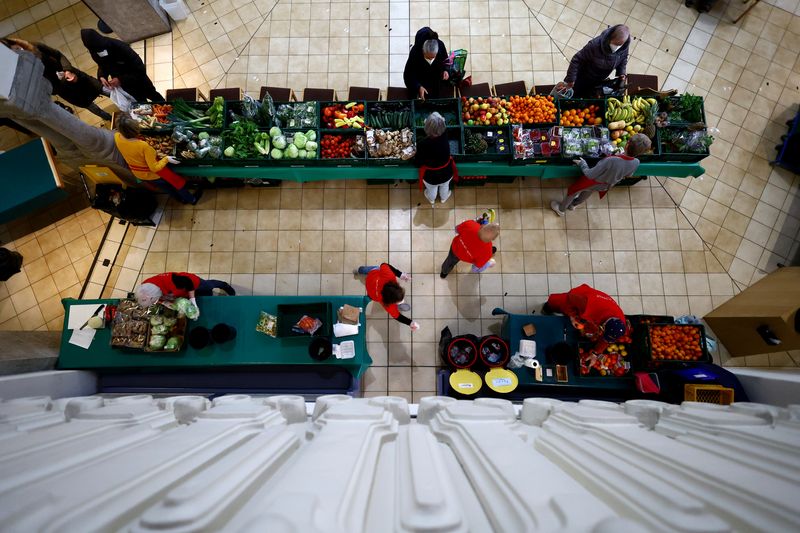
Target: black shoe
(547, 310)
(197, 195)
(442, 275)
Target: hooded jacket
(595, 61)
(114, 58)
(418, 73)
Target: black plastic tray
(289, 314)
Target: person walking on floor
(382, 287)
(472, 244)
(119, 66)
(436, 166)
(426, 68)
(608, 172)
(145, 165)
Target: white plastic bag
(121, 99)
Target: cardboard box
(774, 301)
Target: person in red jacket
(594, 313)
(383, 288)
(171, 285)
(472, 244)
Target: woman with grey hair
(425, 68)
(436, 165)
(604, 175)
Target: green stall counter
(313, 173)
(30, 180)
(249, 348)
(549, 331)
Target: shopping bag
(455, 64)
(121, 99)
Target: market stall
(249, 349)
(495, 138)
(547, 358)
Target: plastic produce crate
(579, 104)
(393, 161)
(252, 160)
(716, 394)
(644, 346)
(341, 162)
(667, 154)
(206, 160)
(672, 100)
(541, 124)
(322, 118)
(449, 108)
(499, 134)
(234, 111)
(296, 163)
(289, 314)
(297, 115)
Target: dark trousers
(449, 263)
(207, 285)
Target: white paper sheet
(82, 337)
(79, 314)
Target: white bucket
(176, 9)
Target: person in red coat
(473, 245)
(594, 313)
(171, 285)
(382, 287)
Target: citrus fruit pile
(531, 109)
(581, 117)
(675, 343)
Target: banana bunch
(629, 110)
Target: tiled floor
(57, 259)
(670, 245)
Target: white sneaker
(572, 208)
(216, 291)
(555, 206)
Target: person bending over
(382, 287)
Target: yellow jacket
(140, 156)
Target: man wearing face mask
(595, 61)
(425, 68)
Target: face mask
(430, 61)
(103, 53)
(614, 48)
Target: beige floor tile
(57, 259)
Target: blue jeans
(206, 286)
(364, 270)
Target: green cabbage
(279, 142)
(299, 140)
(302, 154)
(291, 152)
(156, 320)
(311, 135)
(157, 342)
(311, 145)
(275, 131)
(173, 343)
(311, 154)
(184, 306)
(276, 154)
